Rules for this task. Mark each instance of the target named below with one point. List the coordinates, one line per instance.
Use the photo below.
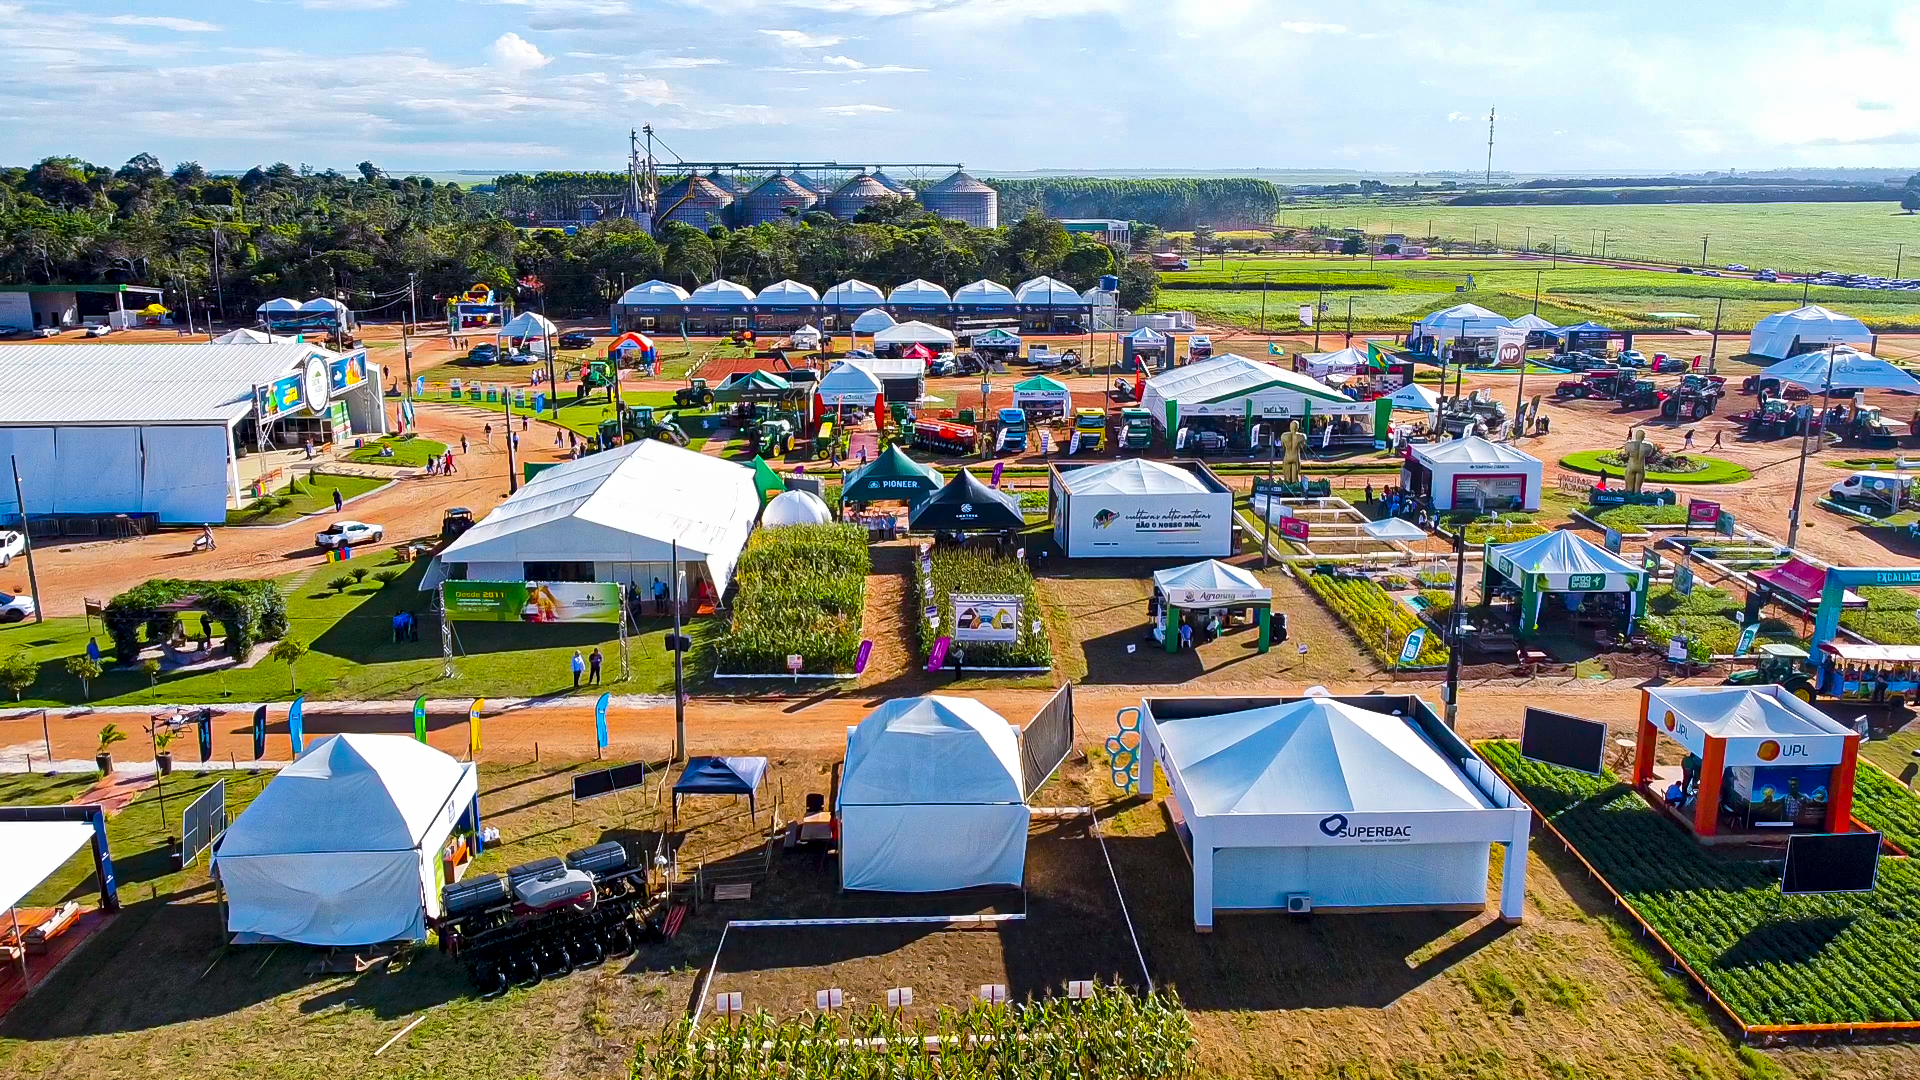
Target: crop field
(1852, 237)
(1775, 960)
(802, 589)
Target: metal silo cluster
(717, 198)
(965, 199)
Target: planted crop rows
(1376, 618)
(802, 590)
(968, 573)
(1775, 960)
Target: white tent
(621, 510)
(914, 332)
(919, 293)
(1474, 472)
(320, 304)
(1322, 802)
(849, 384)
(721, 293)
(1533, 324)
(1209, 583)
(788, 292)
(527, 324)
(1850, 368)
(853, 293)
(1416, 397)
(984, 294)
(247, 335)
(1134, 507)
(1461, 321)
(1320, 365)
(931, 799)
(35, 849)
(343, 847)
(1811, 327)
(1394, 529)
(794, 508)
(1044, 291)
(1234, 386)
(872, 321)
(279, 307)
(1042, 393)
(654, 293)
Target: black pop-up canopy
(721, 776)
(967, 505)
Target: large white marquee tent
(343, 847)
(1320, 803)
(1134, 507)
(932, 799)
(1474, 472)
(1804, 329)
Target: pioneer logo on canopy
(1337, 826)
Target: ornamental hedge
(249, 611)
(802, 589)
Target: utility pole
(26, 539)
(1349, 343)
(546, 334)
(1806, 432)
(1713, 353)
(1263, 304)
(1898, 251)
(679, 670)
(1703, 253)
(513, 475)
(1453, 626)
(1489, 145)
(1322, 299)
(1536, 290)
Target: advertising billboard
(532, 601)
(986, 618)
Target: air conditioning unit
(1299, 903)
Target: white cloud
(1456, 117)
(1312, 28)
(800, 39)
(682, 63)
(163, 22)
(847, 62)
(348, 5)
(516, 55)
(855, 110)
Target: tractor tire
(1695, 412)
(1804, 693)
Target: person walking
(594, 660)
(463, 443)
(338, 503)
(1688, 444)
(487, 431)
(579, 666)
(1716, 437)
(308, 445)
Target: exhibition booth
(1473, 473)
(1322, 803)
(1041, 396)
(1136, 508)
(1806, 329)
(1246, 402)
(931, 799)
(890, 477)
(1211, 590)
(1592, 583)
(1759, 760)
(965, 505)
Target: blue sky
(997, 84)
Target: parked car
(484, 353)
(99, 330)
(576, 339)
(11, 544)
(1736, 268)
(46, 331)
(15, 608)
(348, 533)
(1632, 358)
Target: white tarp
(342, 847)
(1777, 335)
(1352, 808)
(913, 332)
(850, 384)
(34, 850)
(931, 799)
(178, 472)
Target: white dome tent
(527, 324)
(913, 332)
(654, 293)
(343, 846)
(931, 799)
(872, 321)
(1805, 329)
(853, 293)
(795, 508)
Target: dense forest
(233, 241)
(1177, 204)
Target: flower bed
(802, 589)
(1698, 468)
(1706, 619)
(979, 573)
(1376, 618)
(1630, 519)
(1841, 958)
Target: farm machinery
(1777, 418)
(595, 375)
(772, 429)
(695, 395)
(1136, 429)
(1013, 432)
(642, 422)
(1090, 429)
(1478, 413)
(1610, 384)
(946, 436)
(1695, 397)
(545, 918)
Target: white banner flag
(1511, 350)
(1306, 314)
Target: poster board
(986, 618)
(532, 601)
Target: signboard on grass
(204, 819)
(1293, 528)
(1746, 638)
(1683, 580)
(1612, 541)
(986, 618)
(1702, 512)
(532, 601)
(1410, 651)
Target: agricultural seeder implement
(945, 435)
(545, 918)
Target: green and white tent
(1043, 394)
(1562, 562)
(1234, 386)
(752, 386)
(891, 477)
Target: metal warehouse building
(158, 433)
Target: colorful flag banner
(296, 726)
(259, 733)
(420, 718)
(473, 725)
(600, 720)
(206, 737)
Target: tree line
(1171, 203)
(231, 242)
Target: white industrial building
(159, 431)
(1320, 803)
(615, 516)
(28, 307)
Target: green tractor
(641, 422)
(1779, 665)
(595, 375)
(773, 429)
(695, 395)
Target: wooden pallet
(738, 890)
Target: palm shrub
(86, 669)
(289, 650)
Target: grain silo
(695, 201)
(964, 199)
(778, 199)
(727, 183)
(856, 195)
(821, 189)
(894, 186)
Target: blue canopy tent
(1587, 335)
(721, 776)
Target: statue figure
(1293, 444)
(1636, 454)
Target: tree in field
(1139, 285)
(288, 650)
(86, 669)
(18, 671)
(1350, 245)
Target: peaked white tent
(1321, 802)
(984, 294)
(1416, 397)
(913, 332)
(527, 324)
(788, 291)
(622, 511)
(1209, 583)
(1474, 472)
(1561, 562)
(931, 799)
(872, 321)
(1134, 507)
(1461, 321)
(1532, 323)
(279, 307)
(1850, 370)
(1320, 365)
(343, 847)
(849, 384)
(853, 293)
(1805, 328)
(919, 293)
(1234, 386)
(807, 337)
(794, 508)
(247, 335)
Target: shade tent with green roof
(891, 477)
(766, 480)
(967, 505)
(753, 385)
(1206, 585)
(1561, 562)
(1041, 394)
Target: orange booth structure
(1761, 761)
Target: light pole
(1536, 290)
(1349, 343)
(1453, 626)
(1321, 299)
(1713, 353)
(1703, 253)
(1806, 432)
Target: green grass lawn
(354, 657)
(314, 495)
(583, 419)
(408, 451)
(1853, 237)
(1718, 470)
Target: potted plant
(163, 757)
(103, 758)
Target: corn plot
(1774, 959)
(1114, 1035)
(802, 589)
